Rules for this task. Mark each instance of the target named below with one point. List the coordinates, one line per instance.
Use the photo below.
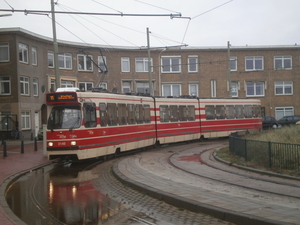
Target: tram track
(264, 183)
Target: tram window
(191, 112)
(248, 111)
(147, 113)
(210, 112)
(131, 115)
(103, 116)
(112, 114)
(256, 111)
(182, 113)
(139, 114)
(239, 111)
(220, 112)
(230, 111)
(164, 113)
(173, 113)
(89, 110)
(122, 114)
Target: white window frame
(85, 86)
(233, 63)
(255, 86)
(23, 53)
(34, 56)
(84, 66)
(171, 88)
(102, 63)
(235, 89)
(172, 66)
(65, 61)
(254, 60)
(126, 86)
(284, 85)
(213, 88)
(142, 63)
(67, 83)
(3, 82)
(35, 83)
(50, 59)
(284, 61)
(283, 111)
(24, 86)
(192, 66)
(103, 85)
(25, 120)
(125, 64)
(195, 87)
(4, 52)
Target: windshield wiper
(76, 121)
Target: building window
(50, 59)
(67, 84)
(25, 119)
(65, 61)
(126, 87)
(24, 82)
(255, 89)
(102, 63)
(141, 65)
(283, 88)
(233, 63)
(23, 53)
(125, 64)
(103, 85)
(85, 86)
(192, 64)
(4, 52)
(283, 111)
(142, 87)
(234, 89)
(171, 64)
(282, 62)
(35, 82)
(254, 63)
(171, 90)
(213, 88)
(34, 56)
(85, 62)
(193, 90)
(5, 85)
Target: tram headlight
(73, 142)
(50, 144)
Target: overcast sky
(203, 22)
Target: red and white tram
(84, 125)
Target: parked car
(269, 122)
(288, 120)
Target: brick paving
(17, 162)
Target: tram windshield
(64, 117)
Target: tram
(83, 125)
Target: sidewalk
(16, 162)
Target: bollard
(4, 149)
(35, 144)
(22, 146)
(2, 139)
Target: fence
(268, 154)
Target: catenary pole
(149, 65)
(55, 45)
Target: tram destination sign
(65, 97)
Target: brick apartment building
(27, 73)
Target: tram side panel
(177, 120)
(221, 117)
